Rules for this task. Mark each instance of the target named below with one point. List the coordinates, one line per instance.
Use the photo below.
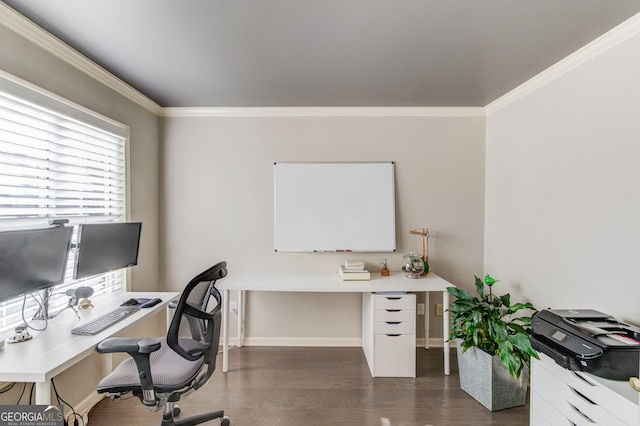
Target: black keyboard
(105, 321)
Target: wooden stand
(424, 233)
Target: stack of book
(353, 270)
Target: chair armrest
(129, 345)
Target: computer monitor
(32, 259)
(104, 247)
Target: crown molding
(27, 29)
(24, 27)
(624, 31)
(323, 112)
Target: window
(57, 161)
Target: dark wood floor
(322, 386)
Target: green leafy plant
(487, 323)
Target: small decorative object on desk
(412, 265)
(85, 304)
(385, 269)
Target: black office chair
(160, 371)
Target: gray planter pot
(488, 381)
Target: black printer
(587, 340)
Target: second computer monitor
(104, 247)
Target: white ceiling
(248, 53)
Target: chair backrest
(194, 332)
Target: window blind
(57, 161)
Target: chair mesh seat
(168, 371)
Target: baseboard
(434, 342)
(322, 342)
(301, 341)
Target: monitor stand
(43, 312)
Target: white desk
(55, 349)
(327, 282)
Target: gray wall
(563, 184)
(218, 205)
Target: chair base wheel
(225, 421)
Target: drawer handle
(581, 413)
(582, 396)
(393, 310)
(394, 322)
(579, 376)
(394, 335)
(394, 298)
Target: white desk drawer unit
(564, 397)
(389, 334)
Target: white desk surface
(55, 349)
(328, 282)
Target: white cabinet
(564, 397)
(389, 334)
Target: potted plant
(493, 345)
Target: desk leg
(169, 316)
(43, 393)
(107, 364)
(225, 331)
(426, 320)
(240, 304)
(445, 332)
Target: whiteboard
(334, 207)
